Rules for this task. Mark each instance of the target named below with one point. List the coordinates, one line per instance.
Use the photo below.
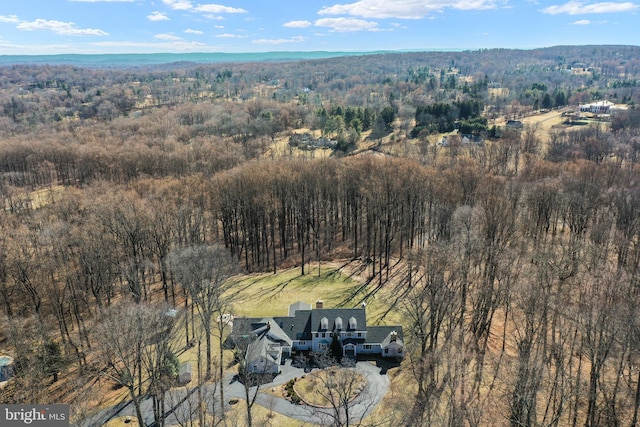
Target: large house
(272, 340)
(600, 107)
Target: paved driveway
(376, 388)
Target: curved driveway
(376, 388)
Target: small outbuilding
(7, 369)
(184, 376)
(514, 124)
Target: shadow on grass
(364, 291)
(270, 290)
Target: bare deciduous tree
(342, 394)
(136, 344)
(204, 271)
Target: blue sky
(154, 26)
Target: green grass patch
(267, 295)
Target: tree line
(551, 252)
(513, 264)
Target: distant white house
(460, 140)
(600, 107)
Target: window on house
(359, 334)
(367, 346)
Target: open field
(544, 122)
(280, 147)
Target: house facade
(272, 340)
(600, 107)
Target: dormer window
(338, 323)
(353, 323)
(324, 324)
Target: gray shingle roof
(297, 327)
(260, 348)
(304, 322)
(333, 313)
(387, 339)
(380, 334)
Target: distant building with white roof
(600, 107)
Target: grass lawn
(267, 295)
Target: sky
(42, 27)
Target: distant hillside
(569, 53)
(180, 59)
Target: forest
(514, 262)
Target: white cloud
(105, 1)
(59, 27)
(230, 36)
(170, 37)
(298, 39)
(343, 25)
(218, 26)
(202, 8)
(157, 16)
(12, 19)
(404, 9)
(297, 24)
(580, 8)
(217, 8)
(190, 31)
(178, 4)
(582, 22)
